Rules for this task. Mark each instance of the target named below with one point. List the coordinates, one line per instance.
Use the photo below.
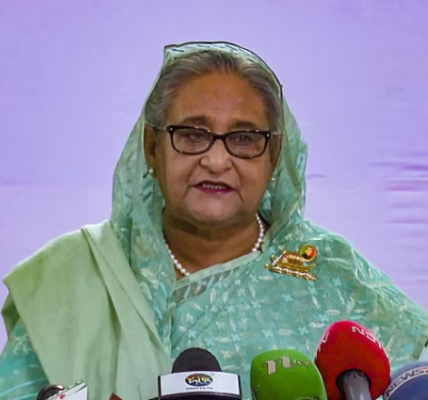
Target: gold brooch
(295, 264)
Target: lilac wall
(74, 75)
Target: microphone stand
(354, 385)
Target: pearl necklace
(256, 247)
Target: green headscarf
(137, 197)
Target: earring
(273, 179)
(149, 171)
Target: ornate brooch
(295, 264)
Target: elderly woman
(207, 246)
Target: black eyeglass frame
(171, 129)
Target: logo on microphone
(199, 380)
(286, 362)
(367, 334)
(404, 378)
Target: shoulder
(64, 246)
(325, 236)
(371, 296)
(340, 253)
(56, 265)
(342, 260)
(64, 269)
(341, 263)
(63, 257)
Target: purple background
(74, 76)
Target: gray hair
(197, 64)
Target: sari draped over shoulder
(235, 310)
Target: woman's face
(214, 187)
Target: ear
(149, 145)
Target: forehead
(219, 100)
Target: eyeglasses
(193, 140)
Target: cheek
(173, 172)
(255, 176)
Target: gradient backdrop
(74, 75)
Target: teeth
(213, 187)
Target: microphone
(352, 362)
(195, 359)
(49, 391)
(78, 391)
(196, 374)
(285, 375)
(409, 383)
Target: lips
(214, 187)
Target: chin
(213, 217)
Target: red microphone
(352, 362)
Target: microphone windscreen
(409, 383)
(49, 391)
(195, 359)
(285, 375)
(347, 345)
(77, 391)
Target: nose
(216, 159)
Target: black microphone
(79, 391)
(49, 391)
(195, 359)
(196, 374)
